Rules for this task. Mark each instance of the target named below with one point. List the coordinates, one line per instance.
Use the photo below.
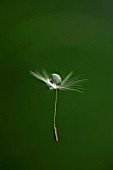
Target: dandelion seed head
(54, 81)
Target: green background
(58, 36)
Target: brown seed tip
(55, 133)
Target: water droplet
(55, 79)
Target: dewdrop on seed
(55, 79)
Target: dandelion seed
(55, 82)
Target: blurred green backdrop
(58, 36)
